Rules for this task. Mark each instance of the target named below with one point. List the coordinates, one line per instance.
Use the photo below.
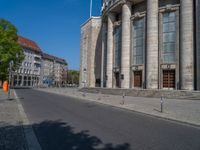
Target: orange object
(5, 86)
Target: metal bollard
(123, 98)
(99, 98)
(84, 94)
(161, 104)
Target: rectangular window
(138, 41)
(169, 37)
(117, 46)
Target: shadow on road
(57, 135)
(12, 137)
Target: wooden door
(169, 79)
(117, 78)
(137, 78)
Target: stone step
(171, 94)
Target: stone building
(90, 61)
(29, 71)
(150, 44)
(53, 70)
(197, 54)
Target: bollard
(123, 98)
(99, 95)
(84, 94)
(161, 104)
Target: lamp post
(9, 80)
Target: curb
(31, 139)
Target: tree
(10, 49)
(73, 77)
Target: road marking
(31, 139)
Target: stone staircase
(170, 94)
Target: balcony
(37, 56)
(37, 62)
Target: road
(65, 123)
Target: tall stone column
(198, 43)
(125, 58)
(152, 45)
(187, 45)
(109, 69)
(103, 54)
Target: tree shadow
(12, 137)
(57, 135)
(53, 135)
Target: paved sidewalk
(11, 129)
(187, 111)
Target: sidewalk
(187, 111)
(11, 129)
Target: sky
(53, 24)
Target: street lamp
(9, 80)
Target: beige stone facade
(90, 59)
(149, 44)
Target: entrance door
(169, 78)
(138, 79)
(117, 79)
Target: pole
(161, 104)
(90, 8)
(9, 80)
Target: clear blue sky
(53, 24)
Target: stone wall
(90, 59)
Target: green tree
(9, 48)
(73, 77)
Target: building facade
(53, 70)
(29, 71)
(90, 60)
(150, 44)
(38, 68)
(197, 31)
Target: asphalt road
(64, 123)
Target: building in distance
(53, 70)
(38, 68)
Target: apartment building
(53, 70)
(38, 68)
(28, 73)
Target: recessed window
(169, 37)
(117, 46)
(138, 41)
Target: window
(138, 41)
(169, 37)
(117, 46)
